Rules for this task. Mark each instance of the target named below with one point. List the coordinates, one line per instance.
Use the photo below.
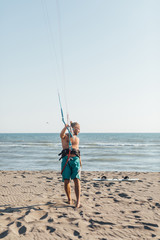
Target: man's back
(74, 141)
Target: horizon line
(79, 133)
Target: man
(71, 170)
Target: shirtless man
(72, 169)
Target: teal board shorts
(72, 169)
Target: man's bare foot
(70, 202)
(78, 205)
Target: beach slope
(33, 206)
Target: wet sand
(33, 205)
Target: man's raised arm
(62, 134)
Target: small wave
(100, 161)
(29, 145)
(93, 145)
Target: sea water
(99, 151)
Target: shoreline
(33, 206)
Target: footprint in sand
(64, 215)
(133, 227)
(50, 229)
(135, 211)
(98, 193)
(124, 195)
(94, 224)
(138, 217)
(97, 205)
(44, 216)
(97, 213)
(22, 230)
(85, 194)
(76, 234)
(81, 213)
(19, 224)
(3, 234)
(115, 200)
(95, 184)
(109, 184)
(148, 226)
(50, 220)
(9, 224)
(122, 212)
(157, 205)
(35, 215)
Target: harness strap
(66, 161)
(65, 152)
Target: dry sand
(33, 206)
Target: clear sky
(111, 55)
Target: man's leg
(77, 191)
(68, 190)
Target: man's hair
(73, 124)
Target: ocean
(99, 151)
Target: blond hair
(73, 124)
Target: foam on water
(99, 151)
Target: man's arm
(80, 161)
(62, 134)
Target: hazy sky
(111, 54)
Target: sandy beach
(33, 206)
